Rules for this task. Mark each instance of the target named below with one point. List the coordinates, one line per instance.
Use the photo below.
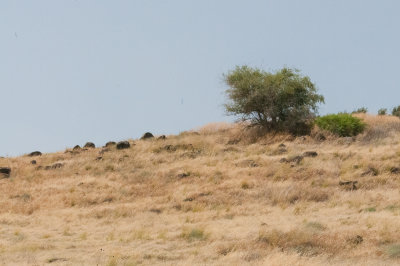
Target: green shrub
(382, 111)
(360, 110)
(396, 111)
(342, 124)
(281, 101)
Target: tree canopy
(284, 100)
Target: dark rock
(349, 185)
(189, 199)
(162, 137)
(77, 148)
(147, 135)
(33, 162)
(35, 153)
(110, 143)
(247, 163)
(310, 154)
(357, 240)
(123, 145)
(371, 171)
(294, 159)
(233, 141)
(50, 167)
(394, 170)
(320, 137)
(282, 145)
(99, 158)
(5, 171)
(158, 211)
(183, 175)
(89, 145)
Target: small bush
(362, 110)
(396, 111)
(194, 234)
(382, 111)
(342, 124)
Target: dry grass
(217, 195)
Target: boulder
(77, 148)
(349, 185)
(294, 159)
(33, 162)
(147, 135)
(35, 153)
(89, 145)
(310, 154)
(5, 172)
(123, 145)
(110, 143)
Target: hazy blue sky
(79, 70)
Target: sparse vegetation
(163, 202)
(382, 111)
(396, 111)
(342, 124)
(361, 110)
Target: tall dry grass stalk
(219, 195)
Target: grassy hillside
(218, 195)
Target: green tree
(280, 101)
(396, 111)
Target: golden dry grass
(218, 195)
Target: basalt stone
(89, 145)
(310, 154)
(110, 143)
(5, 172)
(123, 145)
(77, 148)
(147, 135)
(35, 153)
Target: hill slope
(212, 197)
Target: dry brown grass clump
(218, 195)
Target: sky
(73, 71)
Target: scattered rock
(123, 145)
(346, 140)
(233, 141)
(357, 240)
(35, 153)
(162, 137)
(371, 171)
(50, 167)
(247, 163)
(77, 148)
(183, 175)
(147, 135)
(99, 158)
(189, 199)
(110, 143)
(294, 159)
(349, 185)
(394, 170)
(158, 211)
(89, 145)
(33, 162)
(320, 137)
(310, 154)
(5, 172)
